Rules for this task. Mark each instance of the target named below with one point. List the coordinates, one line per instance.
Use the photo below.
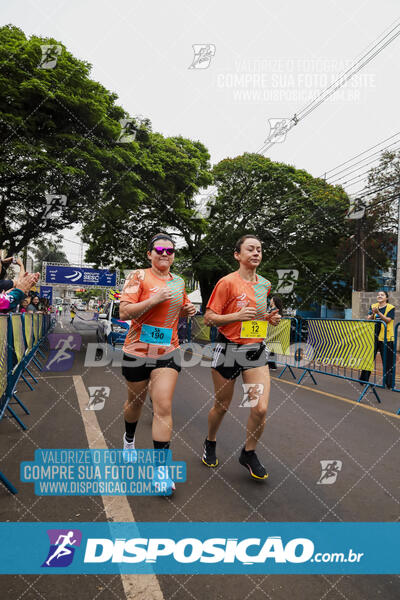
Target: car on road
(110, 329)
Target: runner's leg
(258, 413)
(136, 396)
(163, 382)
(223, 397)
(256, 422)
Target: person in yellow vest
(383, 311)
(72, 313)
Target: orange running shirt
(141, 285)
(231, 294)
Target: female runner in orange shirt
(153, 299)
(238, 308)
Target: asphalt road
(306, 424)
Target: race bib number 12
(254, 329)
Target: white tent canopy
(195, 298)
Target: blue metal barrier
(288, 357)
(335, 366)
(3, 362)
(20, 339)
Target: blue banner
(200, 548)
(46, 291)
(83, 276)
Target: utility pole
(359, 266)
(357, 257)
(356, 213)
(363, 265)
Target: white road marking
(117, 508)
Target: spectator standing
(382, 312)
(24, 305)
(34, 305)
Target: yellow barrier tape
(28, 330)
(36, 327)
(278, 337)
(19, 346)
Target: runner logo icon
(97, 397)
(50, 54)
(63, 543)
(62, 351)
(329, 471)
(251, 394)
(203, 53)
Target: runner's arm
(247, 313)
(212, 318)
(131, 310)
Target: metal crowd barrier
(20, 338)
(339, 348)
(198, 332)
(282, 341)
(396, 340)
(342, 348)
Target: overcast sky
(270, 57)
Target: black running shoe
(251, 462)
(209, 457)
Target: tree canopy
(59, 132)
(62, 136)
(299, 219)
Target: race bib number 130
(254, 329)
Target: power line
(72, 241)
(363, 54)
(360, 154)
(360, 177)
(364, 60)
(384, 200)
(334, 178)
(342, 79)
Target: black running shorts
(230, 359)
(140, 368)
